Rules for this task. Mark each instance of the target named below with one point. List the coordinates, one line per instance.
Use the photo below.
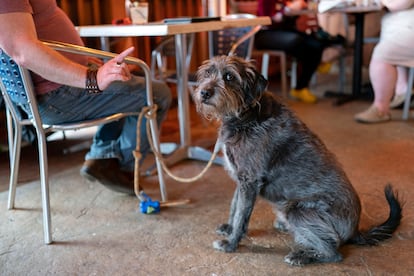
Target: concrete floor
(99, 232)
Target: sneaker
(397, 101)
(371, 116)
(324, 67)
(304, 95)
(108, 173)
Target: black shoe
(328, 39)
(108, 173)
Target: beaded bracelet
(91, 81)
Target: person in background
(68, 90)
(287, 33)
(390, 56)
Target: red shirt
(51, 24)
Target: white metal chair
(17, 89)
(407, 102)
(250, 7)
(163, 63)
(266, 54)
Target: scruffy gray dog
(271, 153)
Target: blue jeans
(116, 139)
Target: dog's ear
(260, 83)
(257, 85)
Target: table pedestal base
(366, 94)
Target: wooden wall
(91, 12)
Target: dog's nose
(206, 94)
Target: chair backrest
(233, 41)
(17, 89)
(164, 51)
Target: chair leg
(293, 74)
(265, 69)
(44, 183)
(407, 101)
(265, 65)
(14, 148)
(283, 74)
(155, 138)
(9, 120)
(342, 73)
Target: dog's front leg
(226, 228)
(240, 212)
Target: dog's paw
(224, 229)
(224, 245)
(297, 258)
(303, 257)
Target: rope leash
(150, 114)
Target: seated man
(68, 90)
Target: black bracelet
(91, 81)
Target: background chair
(17, 89)
(266, 54)
(233, 41)
(250, 7)
(163, 63)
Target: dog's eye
(207, 73)
(228, 77)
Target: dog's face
(227, 86)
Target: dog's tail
(384, 231)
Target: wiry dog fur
(271, 153)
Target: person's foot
(304, 95)
(108, 173)
(324, 67)
(397, 101)
(372, 115)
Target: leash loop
(150, 113)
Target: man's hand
(114, 70)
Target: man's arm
(19, 40)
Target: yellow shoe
(324, 67)
(304, 95)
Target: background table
(359, 13)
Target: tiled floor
(99, 232)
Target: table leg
(357, 64)
(184, 150)
(358, 54)
(105, 45)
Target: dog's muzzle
(206, 95)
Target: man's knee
(162, 95)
